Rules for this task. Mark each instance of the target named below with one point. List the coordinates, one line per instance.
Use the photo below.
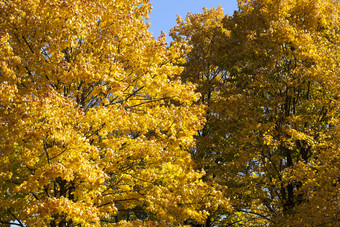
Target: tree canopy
(94, 125)
(234, 123)
(269, 76)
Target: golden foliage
(269, 76)
(94, 125)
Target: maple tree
(95, 125)
(269, 76)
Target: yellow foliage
(269, 77)
(94, 123)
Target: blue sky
(164, 13)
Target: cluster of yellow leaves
(94, 123)
(270, 79)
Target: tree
(269, 76)
(95, 127)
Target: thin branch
(28, 44)
(250, 212)
(20, 223)
(35, 196)
(46, 152)
(65, 149)
(156, 100)
(10, 223)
